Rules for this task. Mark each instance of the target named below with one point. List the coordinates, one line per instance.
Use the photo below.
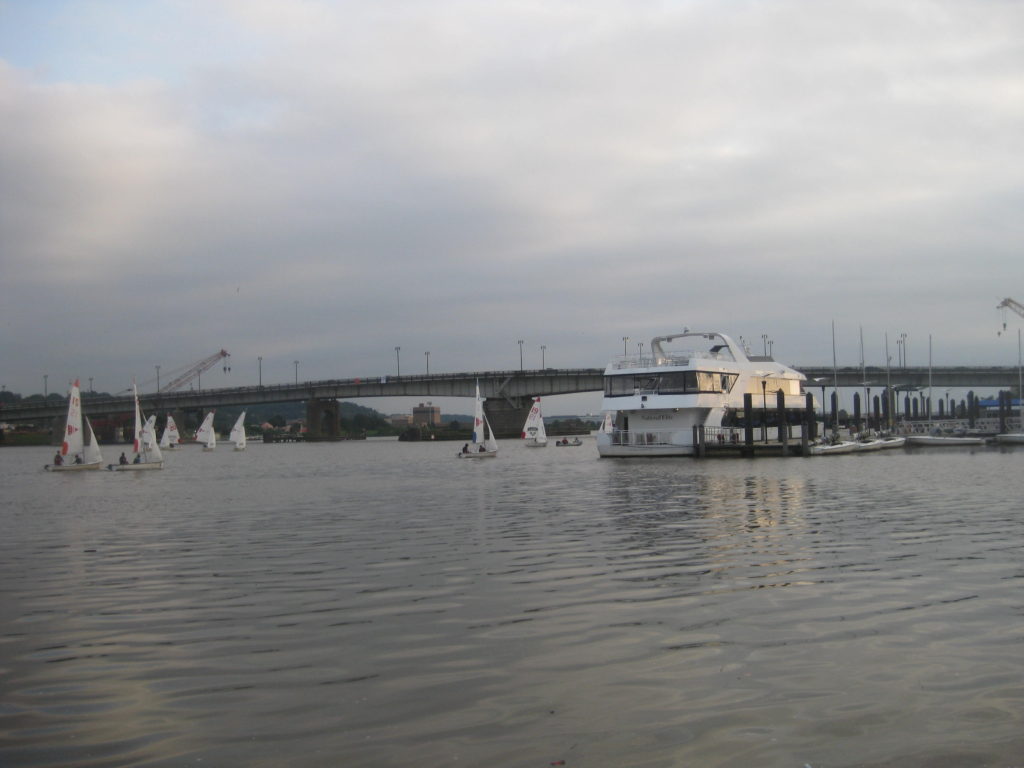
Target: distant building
(426, 415)
(400, 420)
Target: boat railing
(723, 435)
(645, 437)
(649, 361)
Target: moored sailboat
(934, 437)
(1018, 436)
(74, 453)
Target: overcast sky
(325, 181)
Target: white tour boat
(653, 403)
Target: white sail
(238, 433)
(150, 449)
(137, 440)
(93, 455)
(533, 429)
(170, 438)
(608, 426)
(206, 433)
(73, 439)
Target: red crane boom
(203, 365)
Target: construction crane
(196, 370)
(1009, 303)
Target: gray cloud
(325, 181)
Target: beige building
(400, 420)
(426, 415)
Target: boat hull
(938, 440)
(607, 446)
(135, 467)
(1010, 438)
(477, 455)
(72, 467)
(833, 449)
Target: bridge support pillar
(507, 415)
(323, 420)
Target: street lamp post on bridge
(428, 362)
(296, 373)
(260, 374)
(398, 361)
(520, 354)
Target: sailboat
(74, 454)
(935, 437)
(534, 435)
(238, 433)
(483, 445)
(1018, 436)
(206, 434)
(147, 452)
(170, 440)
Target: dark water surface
(386, 604)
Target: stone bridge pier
(323, 419)
(506, 415)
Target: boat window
(674, 383)
(618, 386)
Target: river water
(385, 604)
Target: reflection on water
(382, 603)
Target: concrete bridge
(987, 378)
(508, 393)
(508, 396)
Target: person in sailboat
(78, 458)
(482, 449)
(123, 459)
(58, 460)
(465, 448)
(138, 459)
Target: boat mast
(835, 378)
(1020, 391)
(929, 378)
(888, 386)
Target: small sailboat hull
(135, 467)
(1010, 438)
(72, 467)
(833, 449)
(942, 440)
